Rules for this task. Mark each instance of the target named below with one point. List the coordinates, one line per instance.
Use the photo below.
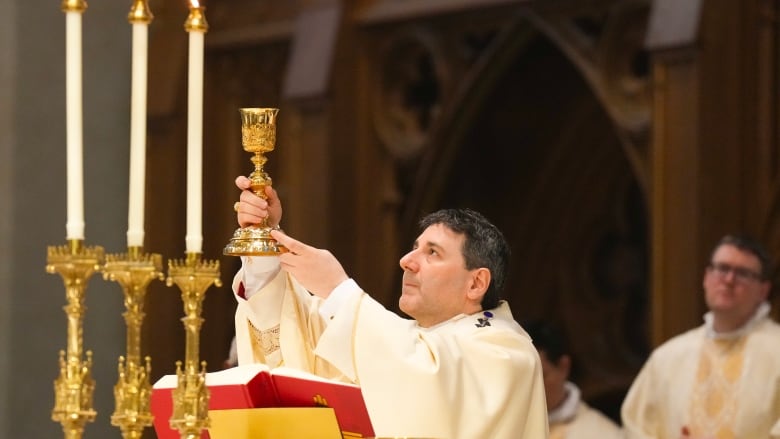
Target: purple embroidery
(484, 321)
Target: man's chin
(720, 303)
(404, 303)
(721, 307)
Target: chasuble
(709, 385)
(474, 376)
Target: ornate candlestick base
(74, 388)
(191, 396)
(132, 392)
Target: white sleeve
(255, 273)
(337, 298)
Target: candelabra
(74, 388)
(133, 271)
(193, 276)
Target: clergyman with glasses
(722, 379)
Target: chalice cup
(258, 136)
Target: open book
(257, 386)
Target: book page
(297, 373)
(235, 375)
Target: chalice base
(253, 241)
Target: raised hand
(316, 269)
(251, 209)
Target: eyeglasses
(741, 274)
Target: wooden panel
(675, 198)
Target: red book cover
(300, 389)
(236, 388)
(255, 386)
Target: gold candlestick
(191, 396)
(133, 271)
(140, 13)
(196, 19)
(73, 5)
(74, 388)
(258, 135)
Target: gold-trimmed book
(255, 386)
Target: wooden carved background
(539, 121)
(538, 114)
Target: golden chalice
(258, 136)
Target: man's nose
(730, 276)
(408, 262)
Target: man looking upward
(462, 368)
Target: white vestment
(474, 376)
(574, 419)
(709, 385)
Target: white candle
(74, 135)
(140, 18)
(196, 26)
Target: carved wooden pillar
(766, 119)
(310, 153)
(675, 175)
(675, 201)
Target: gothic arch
(528, 141)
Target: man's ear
(564, 365)
(480, 280)
(766, 287)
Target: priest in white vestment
(463, 368)
(573, 418)
(722, 379)
(569, 415)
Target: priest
(570, 416)
(461, 368)
(722, 379)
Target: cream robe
(575, 419)
(730, 387)
(459, 379)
